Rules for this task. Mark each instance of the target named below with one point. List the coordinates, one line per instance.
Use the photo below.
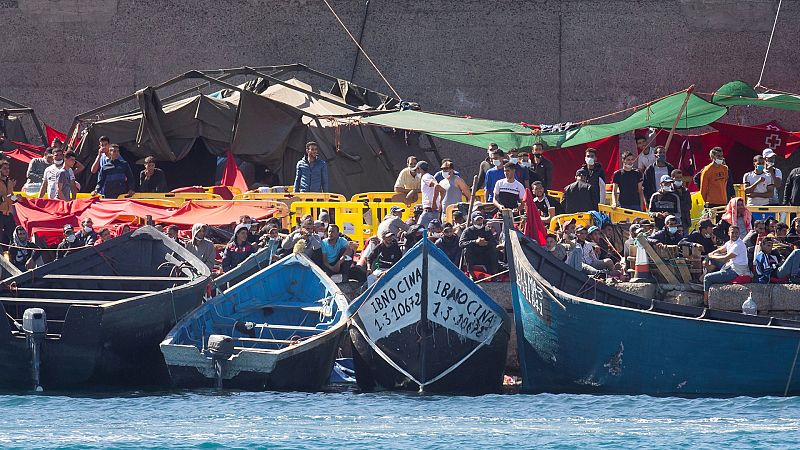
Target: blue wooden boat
(579, 336)
(278, 329)
(424, 325)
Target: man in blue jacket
(312, 172)
(115, 177)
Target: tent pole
(678, 117)
(299, 89)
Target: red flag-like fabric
(567, 160)
(52, 134)
(766, 135)
(232, 175)
(534, 227)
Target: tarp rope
(361, 49)
(769, 44)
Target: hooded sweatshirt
(236, 253)
(22, 251)
(203, 249)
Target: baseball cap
(670, 217)
(395, 209)
(477, 214)
(592, 229)
(666, 179)
(423, 165)
(768, 153)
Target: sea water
(210, 419)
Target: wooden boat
(97, 315)
(425, 326)
(279, 329)
(579, 336)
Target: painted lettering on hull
(456, 306)
(532, 291)
(396, 304)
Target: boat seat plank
(266, 341)
(286, 327)
(112, 278)
(316, 309)
(88, 291)
(62, 301)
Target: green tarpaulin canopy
(480, 132)
(739, 93)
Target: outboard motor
(34, 324)
(220, 347)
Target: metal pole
(469, 214)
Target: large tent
(265, 121)
(13, 118)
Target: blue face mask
(759, 168)
(513, 160)
(672, 230)
(497, 162)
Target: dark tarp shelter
(11, 124)
(265, 122)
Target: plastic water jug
(749, 306)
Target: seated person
(384, 256)
(593, 254)
(731, 257)
(765, 263)
(238, 249)
(448, 243)
(704, 236)
(555, 248)
(337, 256)
(759, 231)
(669, 235)
(479, 244)
(548, 206)
(24, 254)
(789, 268)
(69, 244)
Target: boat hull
(569, 344)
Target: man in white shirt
(776, 174)
(431, 194)
(733, 258)
(646, 156)
(758, 184)
(508, 192)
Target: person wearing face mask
(407, 186)
(776, 174)
(50, 178)
(68, 244)
(669, 235)
(541, 165)
(758, 184)
(703, 236)
(526, 165)
(714, 180)
(87, 235)
(596, 175)
(685, 213)
(441, 174)
(658, 169)
(486, 164)
(521, 173)
(627, 189)
(35, 173)
(665, 202)
(24, 254)
(479, 245)
(494, 175)
(453, 185)
(580, 196)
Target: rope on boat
(769, 44)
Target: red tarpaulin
(52, 133)
(567, 160)
(41, 214)
(232, 176)
(758, 137)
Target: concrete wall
(539, 61)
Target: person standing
(406, 188)
(152, 179)
(312, 172)
(541, 165)
(714, 180)
(685, 197)
(791, 189)
(493, 175)
(508, 192)
(656, 171)
(665, 202)
(627, 189)
(758, 184)
(115, 177)
(579, 196)
(596, 175)
(431, 193)
(776, 174)
(486, 164)
(36, 169)
(7, 185)
(453, 186)
(646, 156)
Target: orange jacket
(713, 184)
(5, 195)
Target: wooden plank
(267, 341)
(111, 278)
(53, 301)
(87, 291)
(662, 268)
(683, 270)
(286, 327)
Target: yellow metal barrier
(357, 220)
(619, 215)
(557, 194)
(373, 197)
(783, 214)
(580, 219)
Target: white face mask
(58, 163)
(719, 161)
(448, 174)
(248, 225)
(513, 160)
(678, 183)
(627, 166)
(667, 188)
(71, 238)
(589, 161)
(525, 163)
(87, 229)
(672, 230)
(497, 162)
(321, 234)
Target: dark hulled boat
(424, 325)
(278, 329)
(97, 315)
(579, 336)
